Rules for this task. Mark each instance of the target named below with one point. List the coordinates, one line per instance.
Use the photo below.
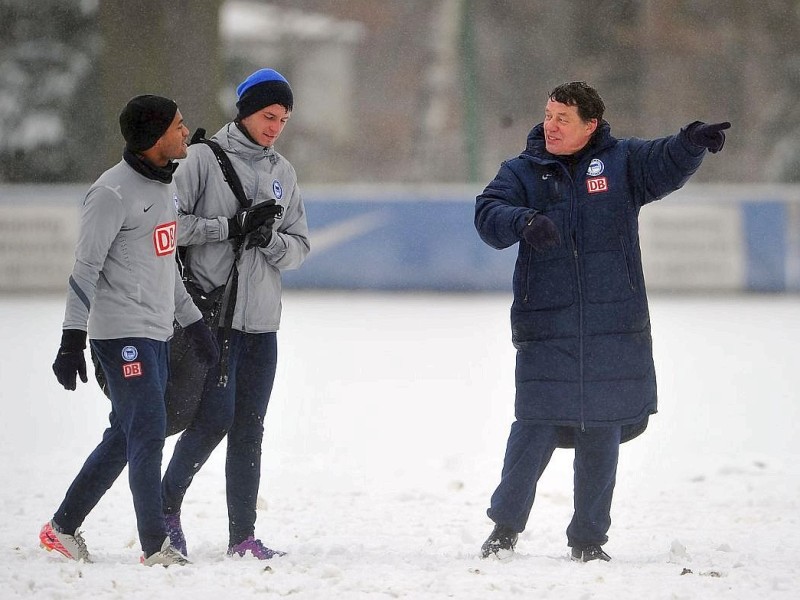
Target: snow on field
(385, 437)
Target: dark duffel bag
(187, 375)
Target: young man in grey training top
(125, 292)
(217, 230)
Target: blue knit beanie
(263, 88)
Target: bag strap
(228, 174)
(224, 319)
(228, 171)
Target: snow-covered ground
(385, 438)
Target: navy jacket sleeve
(663, 165)
(502, 209)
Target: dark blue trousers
(237, 410)
(528, 451)
(136, 370)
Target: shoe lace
(173, 554)
(81, 543)
(167, 556)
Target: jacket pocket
(608, 275)
(549, 284)
(548, 278)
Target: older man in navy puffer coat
(584, 376)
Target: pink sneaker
(255, 547)
(72, 546)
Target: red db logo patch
(164, 239)
(133, 369)
(595, 185)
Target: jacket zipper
(580, 330)
(576, 258)
(249, 262)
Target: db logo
(133, 369)
(164, 239)
(597, 184)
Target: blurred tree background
(412, 91)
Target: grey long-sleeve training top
(125, 281)
(206, 200)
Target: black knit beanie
(145, 119)
(263, 88)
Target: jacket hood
(535, 145)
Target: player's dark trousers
(528, 451)
(136, 370)
(237, 410)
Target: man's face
(174, 143)
(565, 132)
(265, 125)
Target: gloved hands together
(248, 220)
(70, 361)
(261, 236)
(204, 343)
(709, 136)
(541, 233)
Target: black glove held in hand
(709, 136)
(70, 361)
(203, 343)
(248, 220)
(541, 233)
(261, 236)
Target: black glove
(69, 360)
(261, 236)
(541, 233)
(203, 342)
(248, 220)
(709, 136)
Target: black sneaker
(501, 538)
(589, 552)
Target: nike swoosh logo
(342, 232)
(149, 207)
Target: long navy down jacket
(580, 320)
